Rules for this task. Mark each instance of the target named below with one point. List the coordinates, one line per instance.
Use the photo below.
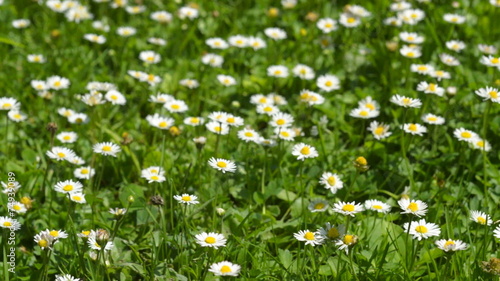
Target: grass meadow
(250, 140)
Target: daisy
(450, 245)
(101, 26)
(39, 85)
(161, 16)
(10, 223)
(60, 153)
(95, 245)
(66, 277)
(267, 109)
(406, 101)
(357, 10)
(67, 137)
(36, 58)
(378, 206)
(222, 165)
(318, 205)
(11, 187)
(414, 129)
(16, 115)
(226, 80)
(194, 121)
(7, 103)
(364, 113)
(65, 112)
(57, 234)
(331, 181)
(17, 207)
(260, 99)
(433, 119)
(176, 106)
(84, 173)
(93, 98)
(118, 211)
(430, 88)
(487, 49)
(481, 144)
(225, 268)
(286, 134)
(303, 72)
(328, 82)
(233, 121)
(157, 41)
(186, 199)
(422, 68)
(94, 38)
(369, 103)
(496, 232)
(489, 93)
(248, 135)
(211, 239)
(411, 16)
(126, 31)
(188, 12)
(152, 177)
(440, 74)
(115, 97)
(100, 86)
(212, 60)
(349, 20)
(393, 21)
(149, 57)
(454, 18)
(21, 23)
(277, 99)
(346, 241)
(275, 33)
(379, 130)
(134, 10)
(161, 98)
(327, 25)
(45, 240)
(278, 71)
(465, 135)
(266, 142)
(57, 82)
(78, 118)
(455, 45)
(480, 217)
(329, 231)
(350, 208)
(160, 122)
(400, 6)
(414, 207)
(153, 170)
(256, 43)
(217, 127)
(77, 160)
(239, 41)
(449, 60)
(411, 37)
(410, 52)
(106, 148)
(281, 120)
(217, 43)
(311, 238)
(68, 186)
(311, 98)
(303, 151)
(422, 229)
(189, 83)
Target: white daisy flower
(303, 151)
(106, 148)
(450, 245)
(348, 209)
(311, 238)
(414, 207)
(225, 268)
(222, 165)
(328, 82)
(211, 239)
(422, 229)
(186, 199)
(68, 186)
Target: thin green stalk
(5, 263)
(485, 176)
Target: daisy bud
(273, 12)
(303, 31)
(361, 164)
(451, 91)
(235, 104)
(200, 142)
(131, 199)
(102, 236)
(311, 16)
(391, 45)
(220, 211)
(157, 200)
(52, 127)
(455, 4)
(27, 202)
(55, 33)
(174, 131)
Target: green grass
(265, 200)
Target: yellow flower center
(331, 180)
(225, 269)
(277, 72)
(248, 134)
(370, 106)
(351, 20)
(422, 68)
(68, 187)
(328, 25)
(328, 83)
(60, 154)
(480, 143)
(412, 127)
(262, 100)
(410, 38)
(106, 148)
(333, 233)
(410, 54)
(221, 164)
(175, 106)
(7, 224)
(493, 94)
(114, 97)
(495, 60)
(379, 131)
(230, 120)
(449, 243)
(481, 220)
(309, 235)
(363, 113)
(76, 198)
(466, 135)
(413, 207)
(210, 240)
(268, 109)
(66, 137)
(84, 171)
(57, 83)
(432, 87)
(285, 134)
(43, 243)
(162, 124)
(155, 178)
(421, 229)
(218, 129)
(17, 207)
(319, 206)
(280, 122)
(86, 232)
(361, 161)
(54, 233)
(349, 239)
(151, 77)
(406, 101)
(348, 208)
(439, 73)
(154, 171)
(305, 150)
(432, 119)
(186, 198)
(377, 207)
